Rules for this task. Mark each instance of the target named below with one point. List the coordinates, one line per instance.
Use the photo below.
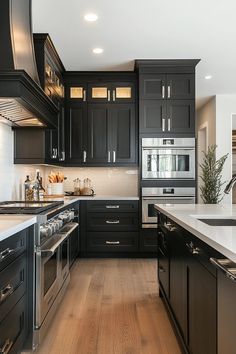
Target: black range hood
(22, 100)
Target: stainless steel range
(55, 222)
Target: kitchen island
(197, 274)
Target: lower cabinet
(148, 241)
(109, 227)
(188, 285)
(73, 246)
(15, 307)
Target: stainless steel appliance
(55, 222)
(170, 195)
(172, 158)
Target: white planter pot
(57, 188)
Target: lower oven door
(168, 163)
(47, 283)
(149, 213)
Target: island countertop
(221, 238)
(11, 224)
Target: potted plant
(211, 176)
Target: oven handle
(63, 236)
(168, 197)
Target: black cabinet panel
(12, 247)
(148, 240)
(202, 309)
(76, 134)
(73, 246)
(182, 116)
(152, 86)
(112, 206)
(181, 86)
(99, 126)
(152, 113)
(112, 221)
(123, 133)
(112, 241)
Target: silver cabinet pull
(163, 124)
(84, 95)
(84, 156)
(54, 153)
(112, 206)
(168, 91)
(109, 95)
(109, 157)
(223, 265)
(63, 156)
(5, 292)
(169, 226)
(163, 91)
(112, 221)
(114, 156)
(112, 242)
(114, 95)
(6, 347)
(193, 249)
(168, 124)
(6, 253)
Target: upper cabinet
(123, 92)
(172, 86)
(167, 96)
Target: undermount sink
(219, 222)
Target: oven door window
(168, 163)
(50, 272)
(151, 211)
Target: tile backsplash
(12, 176)
(106, 181)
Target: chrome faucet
(230, 184)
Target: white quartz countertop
(70, 199)
(11, 224)
(221, 238)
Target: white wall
(12, 176)
(105, 180)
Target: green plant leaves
(211, 176)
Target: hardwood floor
(111, 307)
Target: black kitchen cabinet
(76, 134)
(111, 92)
(101, 134)
(148, 241)
(152, 116)
(201, 309)
(109, 227)
(188, 285)
(152, 86)
(180, 116)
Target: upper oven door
(168, 163)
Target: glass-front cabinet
(111, 92)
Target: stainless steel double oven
(168, 174)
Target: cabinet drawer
(112, 241)
(112, 221)
(112, 206)
(13, 329)
(12, 247)
(12, 285)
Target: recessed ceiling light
(97, 50)
(208, 77)
(91, 17)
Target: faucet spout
(230, 184)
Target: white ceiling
(145, 29)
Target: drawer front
(112, 221)
(13, 329)
(12, 247)
(112, 206)
(12, 285)
(112, 241)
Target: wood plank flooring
(111, 307)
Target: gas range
(28, 207)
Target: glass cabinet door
(99, 92)
(123, 92)
(77, 93)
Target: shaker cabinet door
(152, 116)
(152, 86)
(76, 127)
(180, 116)
(181, 86)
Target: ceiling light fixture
(97, 50)
(208, 77)
(91, 17)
